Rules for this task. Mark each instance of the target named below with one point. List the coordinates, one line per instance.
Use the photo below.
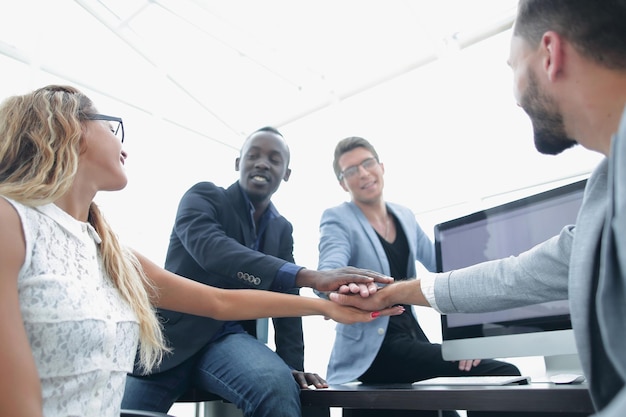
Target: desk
(566, 400)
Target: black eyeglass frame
(352, 170)
(109, 119)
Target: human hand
(364, 290)
(347, 279)
(372, 302)
(304, 379)
(468, 364)
(401, 292)
(351, 315)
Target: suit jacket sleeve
(509, 282)
(334, 245)
(210, 243)
(611, 288)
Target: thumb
(333, 296)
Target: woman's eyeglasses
(117, 126)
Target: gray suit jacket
(347, 239)
(586, 262)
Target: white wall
(449, 134)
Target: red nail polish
(375, 314)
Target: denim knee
(278, 396)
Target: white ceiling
(425, 80)
(225, 68)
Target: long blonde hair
(40, 144)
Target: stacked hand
(355, 295)
(365, 297)
(344, 280)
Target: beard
(547, 121)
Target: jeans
(236, 367)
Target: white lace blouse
(82, 333)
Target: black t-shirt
(398, 255)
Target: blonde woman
(76, 304)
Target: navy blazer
(211, 242)
(348, 239)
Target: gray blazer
(347, 239)
(588, 262)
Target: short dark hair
(270, 129)
(348, 144)
(596, 28)
(267, 129)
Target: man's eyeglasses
(117, 126)
(351, 171)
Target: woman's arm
(188, 296)
(20, 391)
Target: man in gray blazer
(370, 233)
(569, 63)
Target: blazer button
(381, 331)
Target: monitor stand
(562, 364)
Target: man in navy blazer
(235, 238)
(569, 65)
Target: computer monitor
(497, 232)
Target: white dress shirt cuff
(427, 285)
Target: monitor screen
(498, 232)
